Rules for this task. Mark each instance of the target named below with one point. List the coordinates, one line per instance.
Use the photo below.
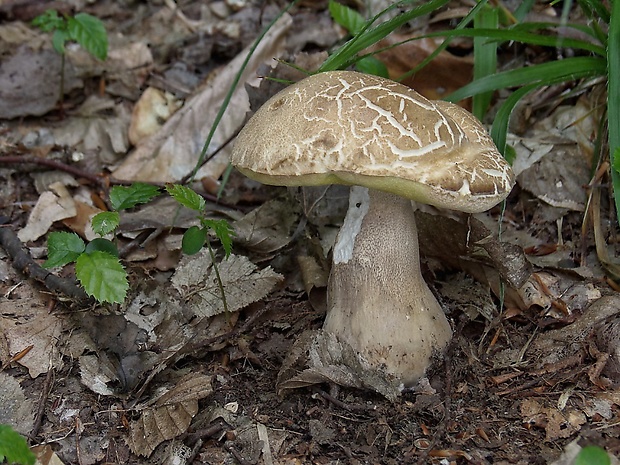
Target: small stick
(38, 419)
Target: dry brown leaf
(445, 74)
(557, 424)
(317, 357)
(170, 415)
(152, 110)
(27, 84)
(15, 408)
(267, 228)
(97, 371)
(46, 455)
(26, 322)
(172, 152)
(54, 205)
(243, 283)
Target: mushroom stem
(378, 301)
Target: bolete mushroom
(393, 146)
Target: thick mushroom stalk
(378, 302)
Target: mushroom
(393, 146)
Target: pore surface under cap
(351, 128)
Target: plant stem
(219, 283)
(61, 99)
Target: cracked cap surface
(345, 127)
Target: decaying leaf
(267, 228)
(15, 408)
(26, 322)
(97, 371)
(52, 206)
(170, 154)
(170, 415)
(46, 455)
(317, 357)
(152, 109)
(243, 283)
(557, 424)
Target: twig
(342, 405)
(238, 457)
(24, 263)
(57, 165)
(38, 419)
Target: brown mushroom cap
(344, 127)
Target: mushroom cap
(345, 127)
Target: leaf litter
(171, 377)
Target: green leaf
(347, 17)
(193, 240)
(592, 455)
(63, 248)
(90, 33)
(13, 447)
(371, 65)
(613, 98)
(59, 38)
(346, 54)
(49, 21)
(186, 197)
(105, 222)
(485, 57)
(554, 71)
(124, 197)
(102, 245)
(224, 232)
(102, 276)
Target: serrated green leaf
(347, 17)
(49, 21)
(124, 197)
(224, 232)
(372, 65)
(105, 222)
(193, 240)
(186, 197)
(13, 447)
(90, 33)
(592, 455)
(63, 248)
(102, 276)
(102, 245)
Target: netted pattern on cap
(342, 126)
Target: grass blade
(485, 57)
(347, 54)
(542, 74)
(613, 96)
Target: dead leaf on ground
(557, 424)
(26, 321)
(169, 415)
(442, 76)
(317, 357)
(149, 114)
(171, 153)
(15, 408)
(267, 229)
(30, 82)
(46, 455)
(243, 283)
(52, 206)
